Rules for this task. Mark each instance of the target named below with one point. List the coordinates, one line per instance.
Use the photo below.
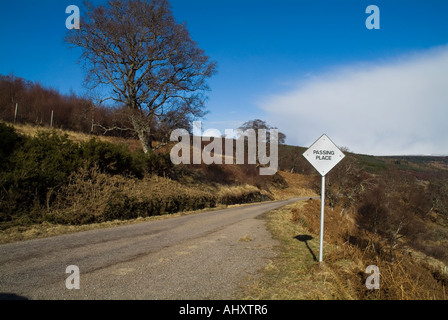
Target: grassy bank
(295, 273)
(91, 196)
(54, 181)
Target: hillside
(57, 177)
(387, 211)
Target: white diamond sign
(323, 155)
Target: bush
(46, 161)
(39, 165)
(92, 196)
(113, 158)
(10, 140)
(159, 164)
(84, 197)
(123, 206)
(241, 194)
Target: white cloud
(398, 107)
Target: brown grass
(89, 195)
(298, 186)
(75, 136)
(295, 274)
(292, 274)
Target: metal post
(51, 121)
(322, 209)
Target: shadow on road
(11, 296)
(305, 238)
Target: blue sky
(307, 67)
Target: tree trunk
(392, 253)
(144, 139)
(142, 131)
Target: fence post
(15, 113)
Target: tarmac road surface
(206, 255)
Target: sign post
(322, 214)
(323, 156)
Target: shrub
(10, 140)
(45, 161)
(39, 165)
(84, 197)
(241, 194)
(112, 158)
(159, 164)
(93, 196)
(123, 206)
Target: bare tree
(347, 182)
(258, 124)
(145, 59)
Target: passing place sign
(323, 155)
